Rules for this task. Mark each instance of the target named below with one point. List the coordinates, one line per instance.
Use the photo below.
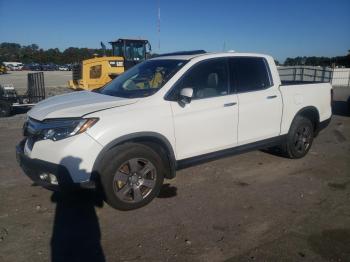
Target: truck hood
(76, 104)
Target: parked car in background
(165, 114)
(63, 68)
(32, 67)
(25, 67)
(13, 66)
(49, 67)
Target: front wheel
(131, 176)
(299, 138)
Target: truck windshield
(144, 79)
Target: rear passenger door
(209, 122)
(260, 102)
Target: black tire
(125, 180)
(299, 138)
(5, 109)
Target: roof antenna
(158, 25)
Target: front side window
(144, 79)
(249, 74)
(207, 79)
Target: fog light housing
(53, 179)
(49, 178)
(44, 177)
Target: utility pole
(158, 25)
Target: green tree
(10, 52)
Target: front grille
(77, 72)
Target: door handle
(230, 104)
(271, 97)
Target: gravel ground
(251, 207)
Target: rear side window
(249, 74)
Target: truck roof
(208, 55)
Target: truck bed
(310, 94)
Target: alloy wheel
(302, 139)
(134, 180)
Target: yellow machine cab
(96, 72)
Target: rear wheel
(299, 138)
(5, 109)
(131, 176)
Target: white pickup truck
(168, 113)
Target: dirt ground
(251, 207)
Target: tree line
(319, 61)
(13, 52)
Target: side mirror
(185, 96)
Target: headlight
(57, 129)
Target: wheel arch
(156, 141)
(312, 114)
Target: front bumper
(49, 175)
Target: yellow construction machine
(3, 69)
(96, 72)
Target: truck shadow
(76, 232)
(167, 191)
(332, 245)
(341, 108)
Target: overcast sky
(280, 28)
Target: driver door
(209, 122)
